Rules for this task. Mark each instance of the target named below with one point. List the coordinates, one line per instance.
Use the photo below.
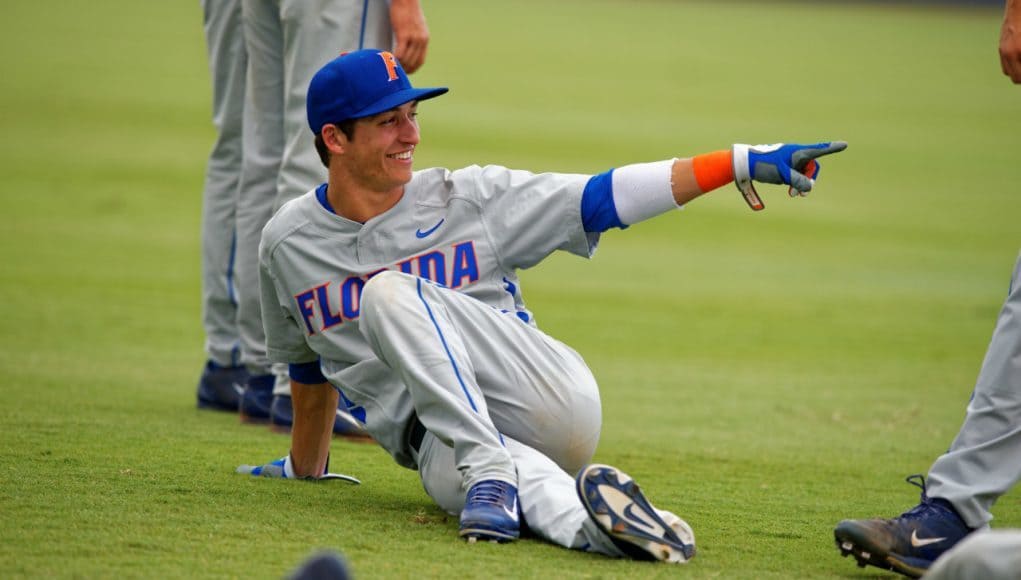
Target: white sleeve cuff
(643, 190)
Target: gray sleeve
(528, 215)
(285, 342)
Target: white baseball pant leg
(984, 461)
(261, 167)
(227, 62)
(290, 41)
(476, 374)
(547, 497)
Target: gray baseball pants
(287, 41)
(227, 63)
(984, 461)
(500, 399)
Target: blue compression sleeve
(598, 211)
(306, 373)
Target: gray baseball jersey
(468, 230)
(419, 313)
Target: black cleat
(220, 387)
(907, 544)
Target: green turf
(763, 375)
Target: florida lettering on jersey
(332, 302)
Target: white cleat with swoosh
(616, 503)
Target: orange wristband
(713, 170)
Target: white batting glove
(793, 165)
(284, 468)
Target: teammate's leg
(313, 33)
(263, 151)
(984, 461)
(226, 51)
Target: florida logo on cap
(354, 85)
(391, 64)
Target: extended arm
(632, 193)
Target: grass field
(763, 375)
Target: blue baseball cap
(360, 84)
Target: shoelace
(918, 480)
(495, 493)
(927, 506)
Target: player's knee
(382, 292)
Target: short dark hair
(346, 127)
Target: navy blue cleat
(281, 418)
(220, 387)
(617, 505)
(908, 544)
(491, 512)
(256, 399)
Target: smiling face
(380, 154)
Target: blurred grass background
(763, 375)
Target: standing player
(397, 292)
(273, 47)
(983, 462)
(223, 377)
(287, 41)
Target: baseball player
(983, 462)
(262, 55)
(397, 292)
(223, 376)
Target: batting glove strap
(743, 178)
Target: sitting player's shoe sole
(615, 502)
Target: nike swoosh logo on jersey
(918, 543)
(420, 234)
